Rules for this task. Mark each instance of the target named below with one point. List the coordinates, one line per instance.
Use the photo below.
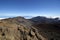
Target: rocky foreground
(19, 28)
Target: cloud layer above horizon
(13, 8)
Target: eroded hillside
(18, 28)
(48, 27)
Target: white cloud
(2, 18)
(27, 14)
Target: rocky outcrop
(18, 28)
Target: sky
(28, 8)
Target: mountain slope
(47, 27)
(18, 28)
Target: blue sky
(11, 8)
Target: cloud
(26, 15)
(2, 18)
